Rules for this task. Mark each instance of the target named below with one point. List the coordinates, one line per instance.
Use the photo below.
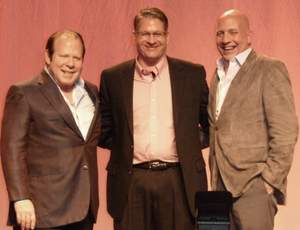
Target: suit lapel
(239, 84)
(213, 93)
(177, 86)
(127, 76)
(95, 100)
(52, 93)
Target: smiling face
(65, 64)
(232, 35)
(151, 41)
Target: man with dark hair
(253, 126)
(49, 138)
(154, 120)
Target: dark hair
(150, 13)
(56, 35)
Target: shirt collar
(239, 59)
(156, 70)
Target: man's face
(66, 63)
(151, 40)
(232, 36)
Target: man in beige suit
(49, 139)
(253, 126)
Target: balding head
(237, 15)
(232, 33)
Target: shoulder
(264, 62)
(271, 71)
(124, 66)
(184, 63)
(27, 85)
(90, 85)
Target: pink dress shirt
(153, 128)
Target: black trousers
(156, 201)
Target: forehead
(66, 42)
(148, 23)
(230, 22)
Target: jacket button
(129, 171)
(85, 167)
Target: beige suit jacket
(257, 128)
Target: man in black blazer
(154, 121)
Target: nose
(151, 40)
(226, 38)
(70, 62)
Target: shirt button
(85, 167)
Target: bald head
(237, 15)
(232, 33)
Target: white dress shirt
(82, 108)
(225, 78)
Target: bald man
(253, 126)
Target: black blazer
(189, 98)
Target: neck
(66, 88)
(68, 93)
(148, 63)
(225, 65)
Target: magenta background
(106, 26)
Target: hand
(269, 188)
(25, 214)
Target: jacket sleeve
(105, 140)
(282, 124)
(203, 112)
(15, 127)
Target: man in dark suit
(50, 132)
(154, 116)
(253, 126)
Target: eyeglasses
(147, 35)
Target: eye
(158, 34)
(219, 33)
(77, 58)
(233, 32)
(63, 55)
(144, 34)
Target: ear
(47, 58)
(134, 36)
(167, 37)
(249, 36)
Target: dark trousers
(254, 210)
(85, 224)
(156, 201)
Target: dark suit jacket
(44, 155)
(257, 128)
(189, 97)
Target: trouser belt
(156, 165)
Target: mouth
(68, 72)
(228, 48)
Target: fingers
(27, 221)
(33, 222)
(25, 214)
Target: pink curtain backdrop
(106, 27)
